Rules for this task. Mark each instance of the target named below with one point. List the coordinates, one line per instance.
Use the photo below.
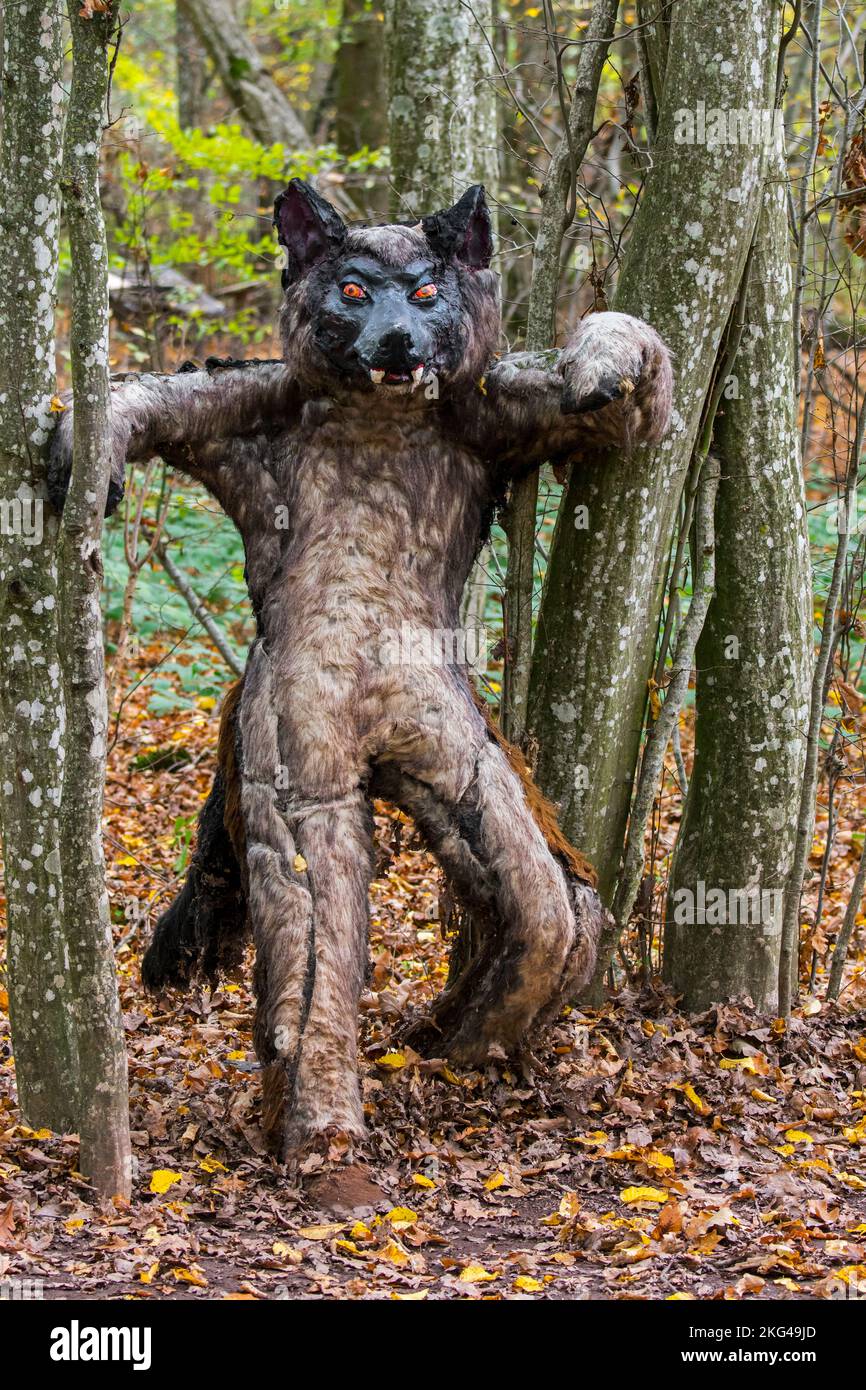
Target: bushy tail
(203, 933)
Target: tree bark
(442, 103)
(103, 1098)
(261, 104)
(754, 662)
(360, 84)
(556, 216)
(598, 618)
(31, 696)
(191, 66)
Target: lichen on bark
(32, 714)
(753, 661)
(598, 618)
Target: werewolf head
(378, 310)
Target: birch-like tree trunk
(442, 102)
(31, 694)
(557, 213)
(599, 611)
(103, 1099)
(754, 662)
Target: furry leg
(536, 921)
(280, 904)
(335, 841)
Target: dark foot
(346, 1190)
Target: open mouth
(379, 377)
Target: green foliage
(205, 544)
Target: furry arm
(610, 387)
(184, 418)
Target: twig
(197, 608)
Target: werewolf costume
(362, 471)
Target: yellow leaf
(394, 1254)
(212, 1165)
(853, 1181)
(126, 860)
(740, 1064)
(798, 1136)
(476, 1274)
(762, 1095)
(163, 1178)
(643, 1194)
(400, 1217)
(680, 1298)
(393, 1060)
(299, 863)
(322, 1232)
(348, 1246)
(694, 1099)
(206, 702)
(656, 1159)
(569, 1206)
(147, 1275)
(788, 1284)
(191, 1276)
(596, 1139)
(421, 1181)
(360, 1231)
(74, 1224)
(527, 1285)
(496, 1180)
(237, 1056)
(409, 1297)
(57, 406)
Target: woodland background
(670, 1143)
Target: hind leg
(336, 842)
(309, 863)
(535, 925)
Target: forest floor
(647, 1155)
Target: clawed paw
(616, 358)
(613, 388)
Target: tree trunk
(557, 214)
(754, 662)
(442, 103)
(360, 86)
(262, 105)
(191, 64)
(599, 611)
(31, 697)
(103, 1098)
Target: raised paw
(59, 469)
(614, 358)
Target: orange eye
(353, 291)
(426, 292)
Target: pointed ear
(307, 227)
(464, 232)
